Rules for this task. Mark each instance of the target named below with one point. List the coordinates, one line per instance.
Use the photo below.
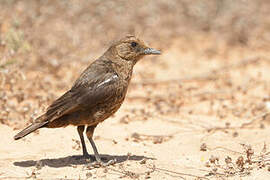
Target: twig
(226, 149)
(256, 161)
(133, 174)
(254, 119)
(243, 126)
(179, 173)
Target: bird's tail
(34, 126)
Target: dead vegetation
(243, 165)
(214, 66)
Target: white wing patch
(108, 80)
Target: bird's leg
(80, 130)
(99, 162)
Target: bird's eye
(134, 44)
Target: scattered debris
(156, 139)
(77, 145)
(143, 161)
(241, 166)
(203, 147)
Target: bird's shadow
(75, 160)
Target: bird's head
(131, 48)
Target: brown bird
(96, 94)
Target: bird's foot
(99, 163)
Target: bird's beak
(151, 51)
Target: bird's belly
(98, 114)
(86, 117)
(106, 109)
(103, 113)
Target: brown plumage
(97, 93)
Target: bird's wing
(85, 94)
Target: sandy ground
(55, 154)
(198, 111)
(203, 136)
